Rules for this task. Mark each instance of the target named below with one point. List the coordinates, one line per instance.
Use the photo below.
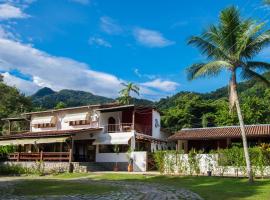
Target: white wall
(60, 117)
(139, 159)
(103, 120)
(156, 124)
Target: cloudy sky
(95, 45)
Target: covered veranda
(43, 146)
(212, 138)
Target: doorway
(84, 151)
(111, 125)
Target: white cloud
(27, 87)
(163, 85)
(8, 11)
(55, 72)
(83, 2)
(99, 41)
(108, 25)
(140, 75)
(151, 38)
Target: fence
(41, 156)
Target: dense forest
(188, 109)
(185, 109)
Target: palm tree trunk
(234, 96)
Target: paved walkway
(129, 191)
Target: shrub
(13, 169)
(5, 150)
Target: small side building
(213, 138)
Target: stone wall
(48, 167)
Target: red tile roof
(261, 130)
(41, 134)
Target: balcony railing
(123, 127)
(41, 156)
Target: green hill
(46, 98)
(189, 109)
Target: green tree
(12, 103)
(126, 91)
(231, 45)
(60, 105)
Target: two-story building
(104, 134)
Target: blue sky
(94, 45)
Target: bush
(5, 150)
(13, 169)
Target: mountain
(46, 98)
(43, 92)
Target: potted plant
(130, 160)
(209, 164)
(116, 150)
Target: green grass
(210, 188)
(59, 187)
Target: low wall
(47, 166)
(139, 160)
(180, 164)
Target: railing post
(18, 157)
(70, 155)
(41, 155)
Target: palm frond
(248, 30)
(249, 74)
(256, 44)
(206, 47)
(258, 65)
(206, 69)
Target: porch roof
(42, 134)
(140, 136)
(258, 130)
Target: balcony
(127, 127)
(116, 128)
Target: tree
(60, 105)
(12, 104)
(125, 92)
(231, 45)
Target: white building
(105, 134)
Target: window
(110, 148)
(79, 122)
(46, 125)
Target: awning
(43, 120)
(33, 141)
(76, 117)
(113, 138)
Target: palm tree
(231, 45)
(125, 92)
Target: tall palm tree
(231, 45)
(125, 92)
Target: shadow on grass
(47, 187)
(207, 187)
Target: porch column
(9, 127)
(228, 142)
(71, 150)
(182, 145)
(133, 119)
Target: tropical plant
(231, 45)
(125, 96)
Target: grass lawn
(207, 187)
(58, 187)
